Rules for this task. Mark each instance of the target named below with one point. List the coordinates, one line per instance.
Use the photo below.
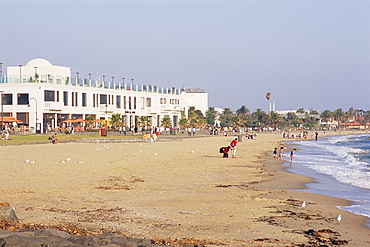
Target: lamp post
(106, 116)
(20, 73)
(77, 78)
(35, 74)
(2, 111)
(113, 84)
(1, 69)
(36, 111)
(90, 76)
(132, 84)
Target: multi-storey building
(41, 94)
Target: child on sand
(275, 153)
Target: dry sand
(174, 190)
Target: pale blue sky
(308, 54)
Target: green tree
(268, 97)
(211, 115)
(326, 115)
(166, 122)
(300, 110)
(275, 119)
(226, 118)
(89, 121)
(339, 115)
(144, 123)
(116, 119)
(243, 111)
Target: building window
(73, 99)
(57, 96)
(76, 99)
(148, 102)
(49, 95)
(65, 98)
(129, 102)
(134, 103)
(142, 103)
(83, 99)
(23, 99)
(23, 116)
(124, 102)
(103, 99)
(7, 99)
(118, 101)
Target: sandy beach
(173, 191)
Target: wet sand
(169, 191)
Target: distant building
(43, 93)
(196, 97)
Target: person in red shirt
(225, 151)
(233, 147)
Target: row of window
(98, 99)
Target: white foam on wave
(337, 161)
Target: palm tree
(166, 122)
(300, 110)
(211, 116)
(116, 119)
(243, 111)
(326, 115)
(275, 118)
(144, 123)
(268, 97)
(339, 115)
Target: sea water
(341, 167)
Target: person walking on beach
(316, 135)
(233, 147)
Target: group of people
(278, 154)
(232, 147)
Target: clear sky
(308, 54)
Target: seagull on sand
(192, 151)
(339, 218)
(27, 161)
(156, 154)
(303, 205)
(68, 159)
(62, 161)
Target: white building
(41, 94)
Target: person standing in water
(292, 156)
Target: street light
(20, 73)
(106, 116)
(2, 111)
(90, 76)
(35, 74)
(36, 111)
(77, 78)
(1, 69)
(132, 84)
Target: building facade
(41, 94)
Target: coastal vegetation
(299, 118)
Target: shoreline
(158, 195)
